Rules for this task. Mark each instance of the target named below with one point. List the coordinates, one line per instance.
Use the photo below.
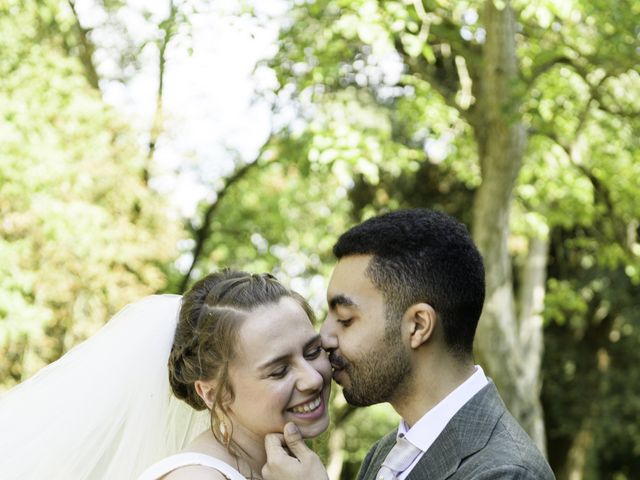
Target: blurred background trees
(81, 234)
(519, 118)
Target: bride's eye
(314, 353)
(280, 372)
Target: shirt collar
(431, 424)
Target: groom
(404, 302)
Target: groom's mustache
(337, 362)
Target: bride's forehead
(273, 333)
(275, 320)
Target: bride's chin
(315, 429)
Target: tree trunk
(501, 136)
(336, 453)
(341, 411)
(532, 290)
(579, 453)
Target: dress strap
(185, 459)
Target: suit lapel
(381, 450)
(468, 431)
(440, 460)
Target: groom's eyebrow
(341, 301)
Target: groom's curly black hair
(426, 256)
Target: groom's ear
(421, 320)
(206, 391)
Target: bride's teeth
(307, 407)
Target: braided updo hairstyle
(211, 314)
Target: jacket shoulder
(509, 453)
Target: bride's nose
(309, 378)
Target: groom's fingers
(294, 440)
(274, 443)
(274, 446)
(301, 463)
(280, 465)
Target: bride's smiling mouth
(310, 409)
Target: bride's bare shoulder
(206, 444)
(194, 472)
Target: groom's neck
(435, 376)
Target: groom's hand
(300, 463)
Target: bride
(243, 360)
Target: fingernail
(291, 428)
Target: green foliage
(80, 235)
(386, 98)
(590, 374)
(365, 427)
(276, 220)
(416, 68)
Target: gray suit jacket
(482, 441)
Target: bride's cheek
(323, 367)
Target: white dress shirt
(430, 426)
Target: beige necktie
(398, 459)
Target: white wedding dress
(104, 410)
(169, 464)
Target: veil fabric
(105, 409)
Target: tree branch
(202, 234)
(168, 27)
(574, 63)
(601, 190)
(87, 48)
(448, 32)
(569, 148)
(443, 74)
(547, 65)
(422, 71)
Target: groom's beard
(379, 375)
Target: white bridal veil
(104, 410)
